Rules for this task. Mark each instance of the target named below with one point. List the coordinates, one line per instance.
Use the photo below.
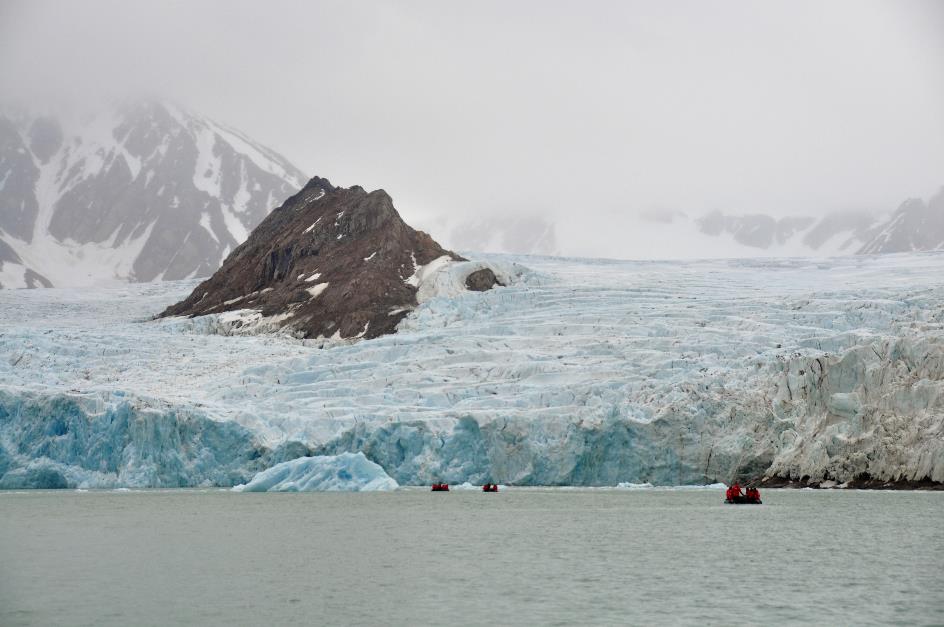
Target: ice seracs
(578, 372)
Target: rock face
(146, 191)
(330, 262)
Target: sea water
(522, 556)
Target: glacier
(347, 472)
(579, 372)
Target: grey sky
(589, 109)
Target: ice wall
(86, 441)
(582, 372)
(874, 410)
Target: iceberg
(347, 472)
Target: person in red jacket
(753, 494)
(736, 489)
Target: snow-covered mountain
(833, 234)
(141, 192)
(915, 226)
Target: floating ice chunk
(347, 472)
(715, 486)
(472, 487)
(634, 486)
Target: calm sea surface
(522, 556)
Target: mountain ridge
(150, 191)
(142, 192)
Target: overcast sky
(578, 112)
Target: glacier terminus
(576, 372)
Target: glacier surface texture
(580, 372)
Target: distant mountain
(143, 192)
(836, 233)
(331, 262)
(915, 226)
(665, 234)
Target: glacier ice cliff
(873, 410)
(580, 372)
(347, 472)
(87, 441)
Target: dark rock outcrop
(482, 280)
(329, 262)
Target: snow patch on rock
(318, 289)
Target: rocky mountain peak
(330, 262)
(915, 226)
(141, 191)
